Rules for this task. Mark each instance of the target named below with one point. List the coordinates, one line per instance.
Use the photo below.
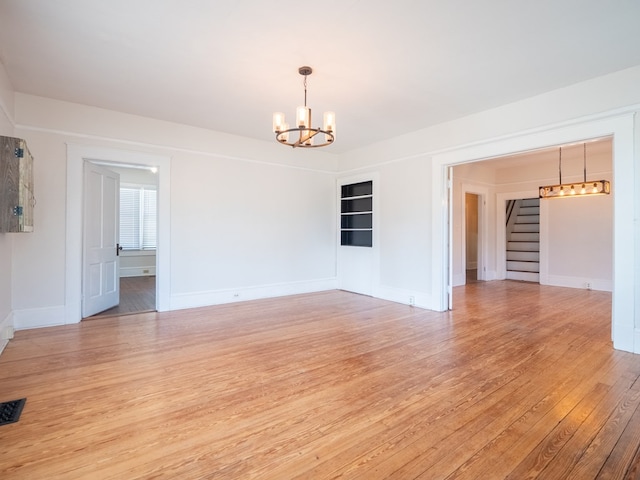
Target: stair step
(526, 227)
(523, 266)
(530, 210)
(528, 219)
(523, 256)
(524, 276)
(523, 246)
(524, 237)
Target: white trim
(143, 271)
(441, 258)
(137, 253)
(40, 317)
(228, 295)
(577, 282)
(478, 144)
(6, 331)
(621, 128)
(483, 230)
(76, 156)
(402, 295)
(173, 148)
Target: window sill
(137, 253)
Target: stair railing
(510, 205)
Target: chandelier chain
(305, 90)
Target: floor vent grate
(10, 411)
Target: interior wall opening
(569, 251)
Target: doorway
(620, 129)
(137, 239)
(471, 216)
(76, 156)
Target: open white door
(101, 261)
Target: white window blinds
(138, 217)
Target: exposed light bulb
(278, 122)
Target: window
(356, 219)
(138, 217)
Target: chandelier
(577, 189)
(304, 135)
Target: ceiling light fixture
(577, 189)
(306, 133)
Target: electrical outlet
(587, 285)
(412, 300)
(145, 270)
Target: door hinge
(19, 152)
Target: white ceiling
(384, 67)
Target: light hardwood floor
(518, 381)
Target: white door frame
(483, 232)
(76, 156)
(501, 231)
(620, 125)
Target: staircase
(523, 240)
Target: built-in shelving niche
(356, 219)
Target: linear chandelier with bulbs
(305, 136)
(576, 189)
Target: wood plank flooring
(518, 381)
(137, 295)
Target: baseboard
(145, 271)
(219, 297)
(6, 331)
(39, 317)
(577, 282)
(412, 298)
(636, 342)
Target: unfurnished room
(355, 239)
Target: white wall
(6, 239)
(248, 219)
(598, 107)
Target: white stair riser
(523, 266)
(523, 256)
(524, 237)
(531, 202)
(529, 210)
(524, 246)
(526, 227)
(528, 219)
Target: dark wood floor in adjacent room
(137, 295)
(518, 381)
